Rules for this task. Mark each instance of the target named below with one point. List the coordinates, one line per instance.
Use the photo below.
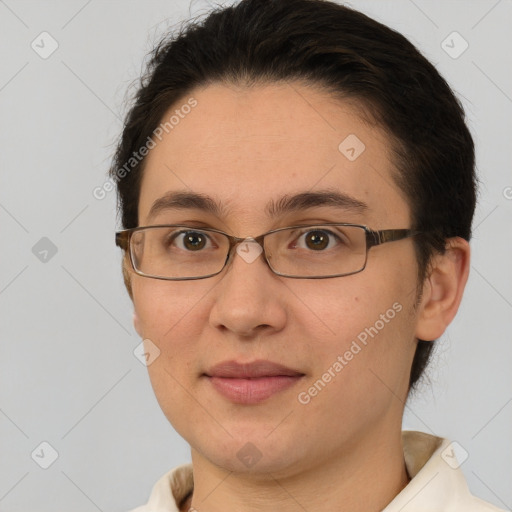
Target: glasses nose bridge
(234, 241)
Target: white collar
(437, 482)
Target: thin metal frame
(373, 238)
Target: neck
(364, 478)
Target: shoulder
(169, 490)
(437, 481)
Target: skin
(342, 451)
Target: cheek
(162, 306)
(366, 344)
(172, 316)
(341, 310)
(362, 372)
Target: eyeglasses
(179, 252)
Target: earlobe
(127, 279)
(137, 325)
(443, 289)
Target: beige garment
(437, 482)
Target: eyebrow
(185, 200)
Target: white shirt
(437, 482)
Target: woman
(285, 360)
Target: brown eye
(192, 241)
(317, 240)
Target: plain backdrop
(68, 374)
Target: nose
(249, 298)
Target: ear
(137, 325)
(443, 289)
(127, 276)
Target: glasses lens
(181, 252)
(178, 252)
(317, 251)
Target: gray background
(68, 374)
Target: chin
(253, 454)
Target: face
(351, 338)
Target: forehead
(248, 147)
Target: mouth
(251, 383)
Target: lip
(255, 369)
(251, 383)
